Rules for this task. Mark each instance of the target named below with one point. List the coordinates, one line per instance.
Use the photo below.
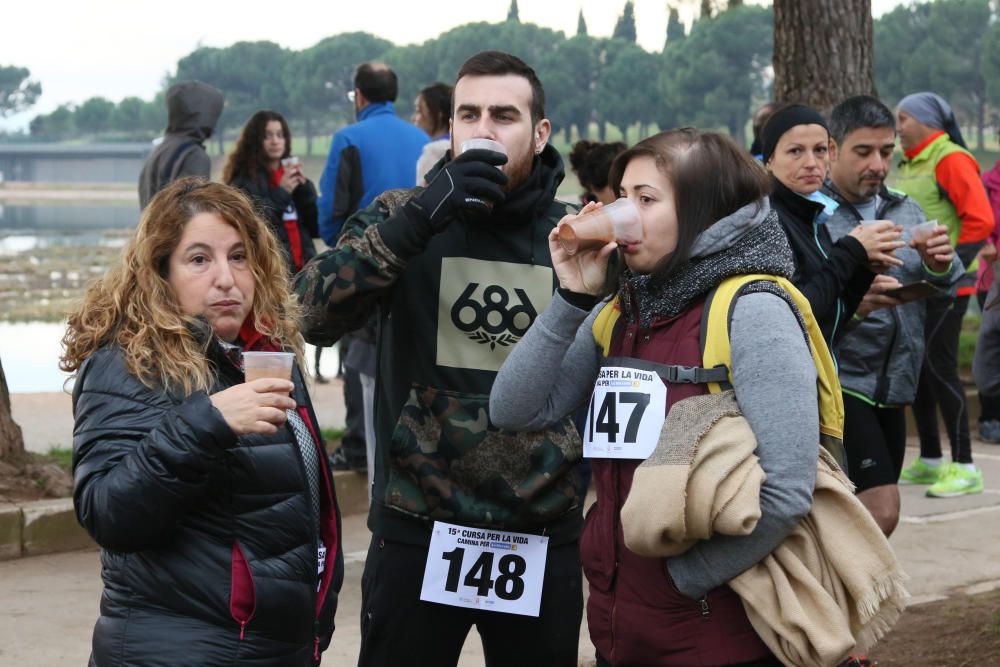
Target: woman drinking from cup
(210, 496)
(705, 219)
(261, 166)
(833, 276)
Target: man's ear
(833, 150)
(542, 131)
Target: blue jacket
(376, 154)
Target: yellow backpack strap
(716, 351)
(604, 324)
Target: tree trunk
(11, 438)
(980, 121)
(309, 135)
(822, 51)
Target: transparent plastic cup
(291, 161)
(486, 145)
(923, 231)
(258, 365)
(618, 221)
(482, 144)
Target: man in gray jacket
(880, 356)
(193, 109)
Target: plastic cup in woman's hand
(258, 365)
(618, 221)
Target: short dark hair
(498, 63)
(437, 97)
(591, 160)
(377, 82)
(712, 177)
(857, 112)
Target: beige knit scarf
(832, 586)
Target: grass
(63, 456)
(332, 435)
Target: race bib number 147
(627, 411)
(479, 568)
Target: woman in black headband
(833, 276)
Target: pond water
(30, 355)
(30, 351)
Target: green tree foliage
(626, 93)
(54, 126)
(936, 46)
(250, 74)
(570, 73)
(625, 26)
(711, 78)
(581, 24)
(95, 115)
(675, 29)
(990, 61)
(17, 91)
(512, 14)
(318, 79)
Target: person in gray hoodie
(881, 354)
(193, 109)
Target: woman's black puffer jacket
(209, 550)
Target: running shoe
(919, 472)
(989, 431)
(957, 481)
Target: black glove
(469, 183)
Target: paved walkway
(50, 603)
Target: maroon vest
(635, 615)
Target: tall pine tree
(625, 27)
(581, 24)
(512, 14)
(675, 29)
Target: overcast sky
(116, 48)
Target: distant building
(73, 163)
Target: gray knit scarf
(762, 248)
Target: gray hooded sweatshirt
(552, 370)
(193, 109)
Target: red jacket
(635, 614)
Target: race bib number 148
(479, 568)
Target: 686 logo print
(495, 320)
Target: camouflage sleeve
(341, 287)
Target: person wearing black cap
(833, 276)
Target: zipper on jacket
(316, 649)
(243, 628)
(703, 605)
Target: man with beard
(470, 525)
(880, 357)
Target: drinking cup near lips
(923, 231)
(258, 365)
(618, 221)
(483, 144)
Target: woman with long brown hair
(261, 165)
(210, 495)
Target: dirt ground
(961, 631)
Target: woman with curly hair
(261, 166)
(210, 496)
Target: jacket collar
(914, 152)
(894, 198)
(377, 109)
(801, 208)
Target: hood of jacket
(193, 109)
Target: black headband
(782, 121)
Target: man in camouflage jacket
(458, 271)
